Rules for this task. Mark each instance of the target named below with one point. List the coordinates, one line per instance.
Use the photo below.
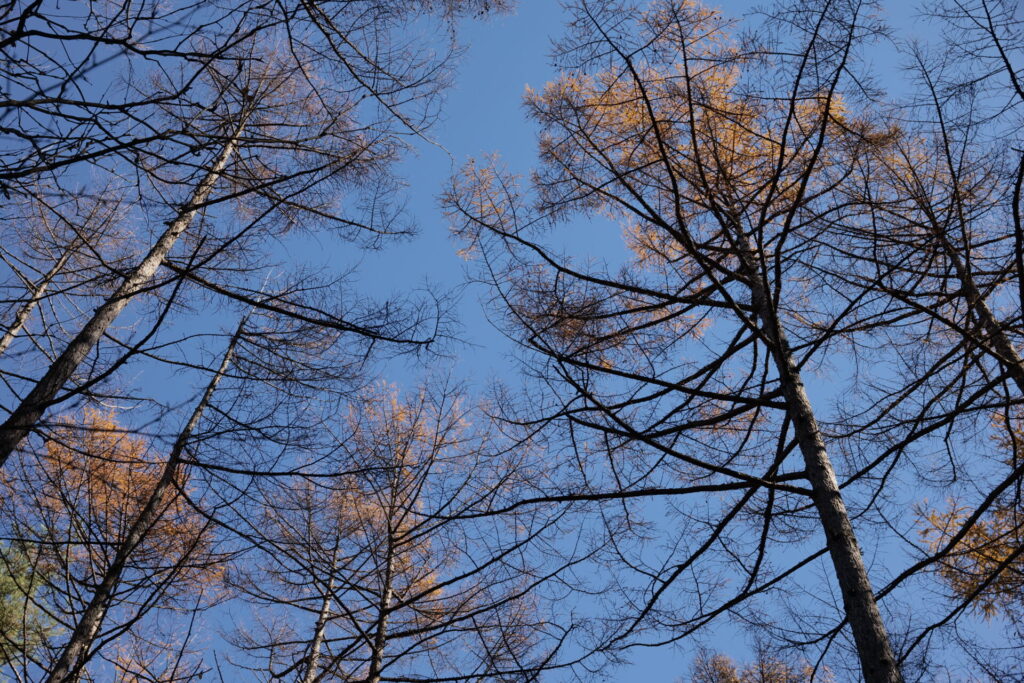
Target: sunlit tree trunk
(75, 652)
(313, 663)
(383, 608)
(36, 295)
(28, 413)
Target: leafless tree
(938, 234)
(292, 114)
(680, 377)
(386, 570)
(232, 128)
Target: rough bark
(878, 662)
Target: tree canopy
(758, 401)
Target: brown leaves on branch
(89, 485)
(764, 669)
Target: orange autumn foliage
(400, 442)
(765, 669)
(92, 481)
(987, 564)
(685, 124)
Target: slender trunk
(21, 317)
(380, 636)
(313, 662)
(25, 417)
(878, 662)
(74, 655)
(1000, 344)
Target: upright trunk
(380, 635)
(313, 662)
(878, 663)
(25, 417)
(37, 292)
(74, 655)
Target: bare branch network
(777, 395)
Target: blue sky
(484, 114)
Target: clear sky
(483, 114)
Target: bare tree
(301, 132)
(133, 534)
(230, 128)
(937, 232)
(381, 571)
(79, 503)
(685, 369)
(52, 254)
(72, 658)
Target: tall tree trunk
(76, 650)
(37, 292)
(25, 417)
(313, 661)
(383, 608)
(877, 660)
